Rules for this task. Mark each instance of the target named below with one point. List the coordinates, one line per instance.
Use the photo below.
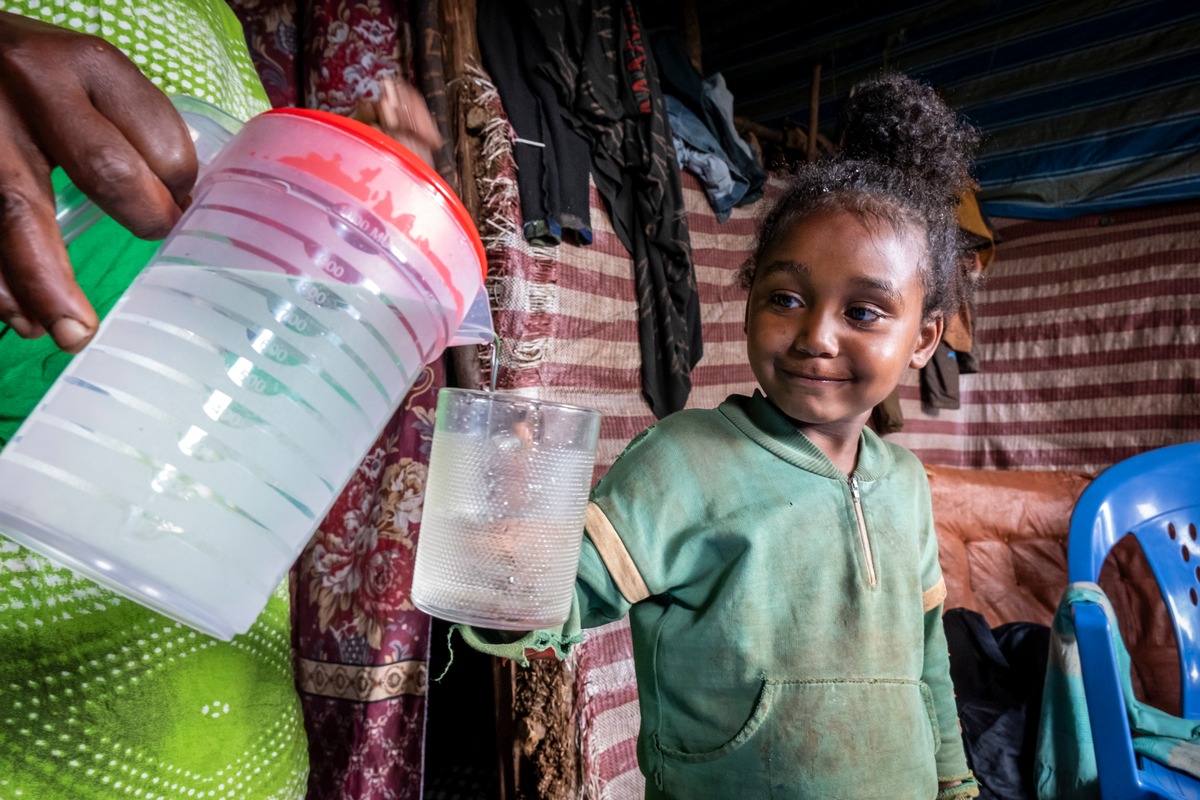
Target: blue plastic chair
(1155, 497)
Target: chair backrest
(1155, 496)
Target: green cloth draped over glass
(99, 696)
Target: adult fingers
(11, 315)
(74, 100)
(139, 170)
(364, 112)
(38, 292)
(146, 119)
(90, 110)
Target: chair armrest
(1109, 719)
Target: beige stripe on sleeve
(614, 555)
(931, 597)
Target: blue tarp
(1085, 107)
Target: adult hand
(72, 100)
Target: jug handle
(210, 128)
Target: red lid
(408, 158)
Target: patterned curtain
(362, 648)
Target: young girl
(778, 559)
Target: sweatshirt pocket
(861, 738)
(931, 713)
(761, 709)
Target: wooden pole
(814, 112)
(691, 33)
(743, 125)
(460, 47)
(508, 748)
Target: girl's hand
(401, 113)
(72, 100)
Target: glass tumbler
(508, 486)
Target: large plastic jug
(185, 457)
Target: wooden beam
(508, 747)
(743, 125)
(460, 47)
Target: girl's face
(834, 318)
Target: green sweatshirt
(786, 619)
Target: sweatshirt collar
(769, 427)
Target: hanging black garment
(608, 90)
(998, 676)
(552, 158)
(939, 379)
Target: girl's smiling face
(834, 317)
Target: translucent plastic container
(504, 507)
(187, 455)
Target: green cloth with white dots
(99, 697)
(193, 47)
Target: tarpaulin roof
(1085, 106)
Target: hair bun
(898, 122)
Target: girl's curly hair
(904, 161)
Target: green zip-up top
(786, 619)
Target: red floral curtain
(326, 54)
(362, 648)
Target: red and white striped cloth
(1087, 334)
(567, 318)
(1088, 337)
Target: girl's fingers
(403, 115)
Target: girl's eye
(782, 300)
(862, 314)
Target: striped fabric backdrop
(567, 318)
(1087, 333)
(1088, 337)
(1087, 106)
